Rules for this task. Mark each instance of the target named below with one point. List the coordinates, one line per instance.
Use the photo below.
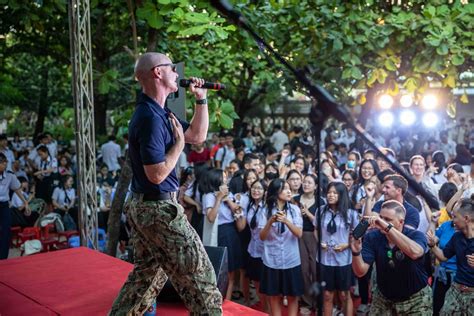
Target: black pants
(439, 293)
(5, 225)
(103, 219)
(20, 219)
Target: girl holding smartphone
(281, 227)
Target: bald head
(146, 62)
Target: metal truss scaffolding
(81, 58)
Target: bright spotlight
(430, 119)
(429, 102)
(406, 100)
(386, 119)
(385, 101)
(407, 117)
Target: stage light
(430, 119)
(407, 117)
(385, 101)
(429, 102)
(386, 119)
(406, 100)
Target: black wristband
(356, 254)
(387, 229)
(201, 101)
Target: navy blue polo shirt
(460, 246)
(150, 137)
(403, 277)
(412, 218)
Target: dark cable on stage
(207, 85)
(325, 107)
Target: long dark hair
(274, 189)
(439, 160)
(343, 202)
(292, 171)
(211, 181)
(305, 163)
(373, 163)
(199, 171)
(253, 221)
(246, 175)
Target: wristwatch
(201, 101)
(387, 229)
(356, 254)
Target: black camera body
(360, 229)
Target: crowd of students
(257, 195)
(44, 172)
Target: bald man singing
(165, 244)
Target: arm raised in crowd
(409, 247)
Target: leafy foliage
(343, 45)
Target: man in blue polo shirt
(398, 253)
(460, 296)
(165, 244)
(394, 188)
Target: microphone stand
(325, 107)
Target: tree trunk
(117, 207)
(43, 106)
(100, 113)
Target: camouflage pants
(419, 303)
(458, 303)
(166, 245)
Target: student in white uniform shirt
(45, 166)
(337, 222)
(242, 198)
(8, 182)
(255, 247)
(223, 218)
(64, 198)
(21, 216)
(6, 151)
(281, 226)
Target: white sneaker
(336, 312)
(363, 310)
(285, 301)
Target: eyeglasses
(368, 169)
(347, 179)
(173, 66)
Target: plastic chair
(46, 230)
(29, 233)
(14, 239)
(67, 234)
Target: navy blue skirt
(254, 268)
(337, 278)
(227, 236)
(287, 282)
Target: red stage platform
(75, 281)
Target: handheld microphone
(207, 85)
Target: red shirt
(195, 157)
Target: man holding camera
(398, 253)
